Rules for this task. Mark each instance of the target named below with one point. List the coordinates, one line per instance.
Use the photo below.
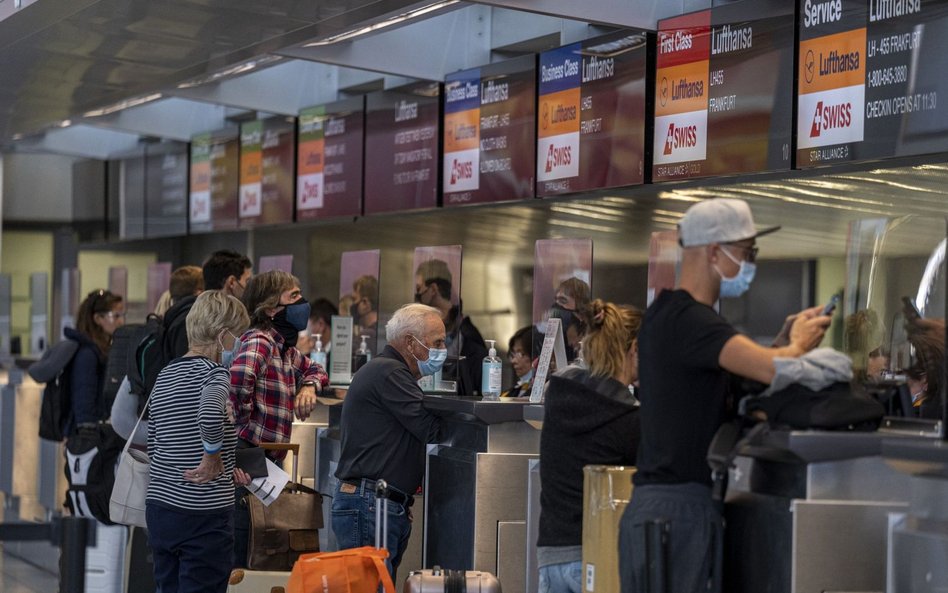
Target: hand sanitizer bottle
(318, 355)
(362, 355)
(491, 371)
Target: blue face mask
(436, 358)
(738, 285)
(228, 356)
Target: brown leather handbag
(279, 533)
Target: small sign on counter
(340, 357)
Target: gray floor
(17, 576)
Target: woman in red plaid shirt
(270, 381)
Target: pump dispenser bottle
(362, 355)
(491, 372)
(318, 355)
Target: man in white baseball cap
(686, 352)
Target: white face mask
(738, 284)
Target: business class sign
(591, 115)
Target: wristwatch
(309, 383)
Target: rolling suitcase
(438, 580)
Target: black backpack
(91, 455)
(148, 355)
(54, 369)
(124, 342)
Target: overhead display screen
(870, 76)
(591, 114)
(166, 190)
(329, 165)
(267, 155)
(489, 127)
(402, 133)
(724, 91)
(214, 181)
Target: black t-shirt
(683, 388)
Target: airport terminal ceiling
(95, 78)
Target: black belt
(394, 495)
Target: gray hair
(409, 319)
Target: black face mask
(286, 329)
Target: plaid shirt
(263, 387)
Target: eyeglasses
(751, 252)
(516, 354)
(114, 315)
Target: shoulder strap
(131, 437)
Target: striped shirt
(264, 381)
(187, 414)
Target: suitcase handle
(293, 448)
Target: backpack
(91, 455)
(53, 370)
(124, 341)
(148, 355)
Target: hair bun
(597, 313)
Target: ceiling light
(401, 18)
(122, 105)
(65, 123)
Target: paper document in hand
(268, 488)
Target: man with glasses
(686, 353)
(385, 431)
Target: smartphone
(911, 311)
(831, 305)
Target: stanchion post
(75, 534)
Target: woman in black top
(99, 315)
(591, 418)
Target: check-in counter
(809, 510)
(476, 487)
(919, 540)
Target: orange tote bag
(357, 570)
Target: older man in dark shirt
(385, 430)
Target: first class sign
(724, 91)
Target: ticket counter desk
(476, 487)
(809, 510)
(918, 550)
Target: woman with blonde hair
(191, 442)
(591, 417)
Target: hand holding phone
(831, 305)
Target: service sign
(214, 181)
(869, 76)
(267, 155)
(591, 114)
(329, 161)
(489, 123)
(724, 91)
(402, 133)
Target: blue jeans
(562, 578)
(694, 544)
(353, 523)
(192, 552)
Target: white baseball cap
(719, 220)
